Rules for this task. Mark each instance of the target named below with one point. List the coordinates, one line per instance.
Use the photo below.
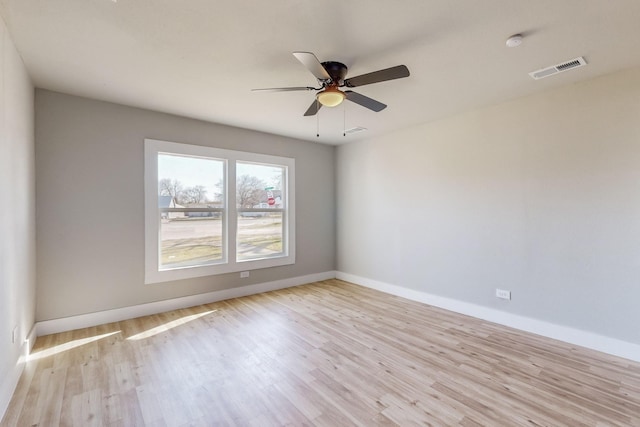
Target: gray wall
(17, 212)
(90, 217)
(540, 196)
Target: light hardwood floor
(326, 354)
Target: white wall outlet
(501, 293)
(14, 335)
(244, 274)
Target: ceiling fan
(331, 77)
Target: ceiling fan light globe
(330, 98)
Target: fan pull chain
(317, 119)
(344, 119)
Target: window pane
(259, 186)
(259, 235)
(185, 182)
(190, 238)
(189, 241)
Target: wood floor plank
(325, 354)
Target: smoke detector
(558, 68)
(515, 40)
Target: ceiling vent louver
(355, 130)
(558, 68)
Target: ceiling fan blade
(313, 108)
(283, 89)
(310, 61)
(397, 72)
(365, 101)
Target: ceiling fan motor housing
(336, 70)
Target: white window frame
(229, 264)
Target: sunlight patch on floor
(67, 346)
(169, 325)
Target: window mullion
(232, 213)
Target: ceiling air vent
(558, 68)
(354, 130)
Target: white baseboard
(30, 340)
(9, 383)
(101, 317)
(563, 333)
(8, 386)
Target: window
(212, 211)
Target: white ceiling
(201, 58)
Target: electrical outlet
(14, 335)
(501, 293)
(244, 274)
